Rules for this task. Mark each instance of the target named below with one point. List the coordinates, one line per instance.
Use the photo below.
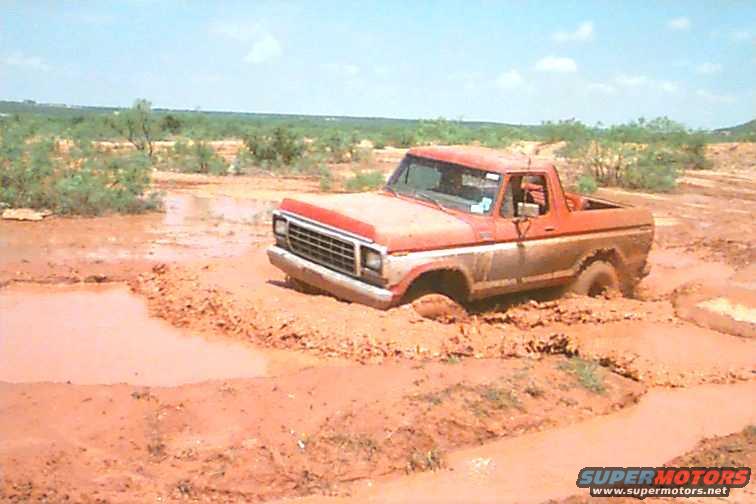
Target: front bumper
(340, 285)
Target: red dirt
(504, 471)
(246, 440)
(433, 386)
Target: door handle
(549, 228)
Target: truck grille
(322, 248)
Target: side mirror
(529, 210)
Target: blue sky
(515, 61)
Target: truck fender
(415, 273)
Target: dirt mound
(735, 450)
(314, 431)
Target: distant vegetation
(84, 181)
(643, 154)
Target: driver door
(521, 255)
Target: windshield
(447, 185)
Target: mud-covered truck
(466, 223)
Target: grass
(586, 372)
(355, 443)
(425, 460)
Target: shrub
(568, 130)
(586, 184)
(326, 179)
(281, 146)
(655, 169)
(207, 161)
(338, 146)
(87, 183)
(102, 184)
(139, 126)
(198, 157)
(365, 181)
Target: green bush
(365, 181)
(197, 157)
(325, 179)
(105, 184)
(337, 146)
(586, 184)
(655, 169)
(281, 146)
(87, 183)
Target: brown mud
(647, 434)
(258, 391)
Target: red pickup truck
(467, 223)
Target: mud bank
(664, 424)
(313, 431)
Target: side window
(525, 189)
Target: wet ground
(196, 373)
(102, 334)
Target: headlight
(279, 227)
(372, 259)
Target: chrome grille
(322, 248)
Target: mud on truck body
(467, 223)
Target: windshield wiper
(432, 200)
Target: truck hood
(396, 223)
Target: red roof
(481, 158)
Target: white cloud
(602, 88)
(343, 70)
(708, 68)
(637, 81)
(264, 49)
(583, 33)
(19, 59)
(631, 80)
(382, 70)
(669, 87)
(679, 24)
(715, 98)
(90, 18)
(742, 36)
(556, 64)
(239, 32)
(510, 79)
(265, 46)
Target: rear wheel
(597, 278)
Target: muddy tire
(302, 287)
(597, 278)
(438, 307)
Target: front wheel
(596, 279)
(438, 307)
(302, 287)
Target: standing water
(102, 334)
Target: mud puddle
(222, 226)
(102, 334)
(502, 471)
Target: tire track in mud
(568, 326)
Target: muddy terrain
(159, 357)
